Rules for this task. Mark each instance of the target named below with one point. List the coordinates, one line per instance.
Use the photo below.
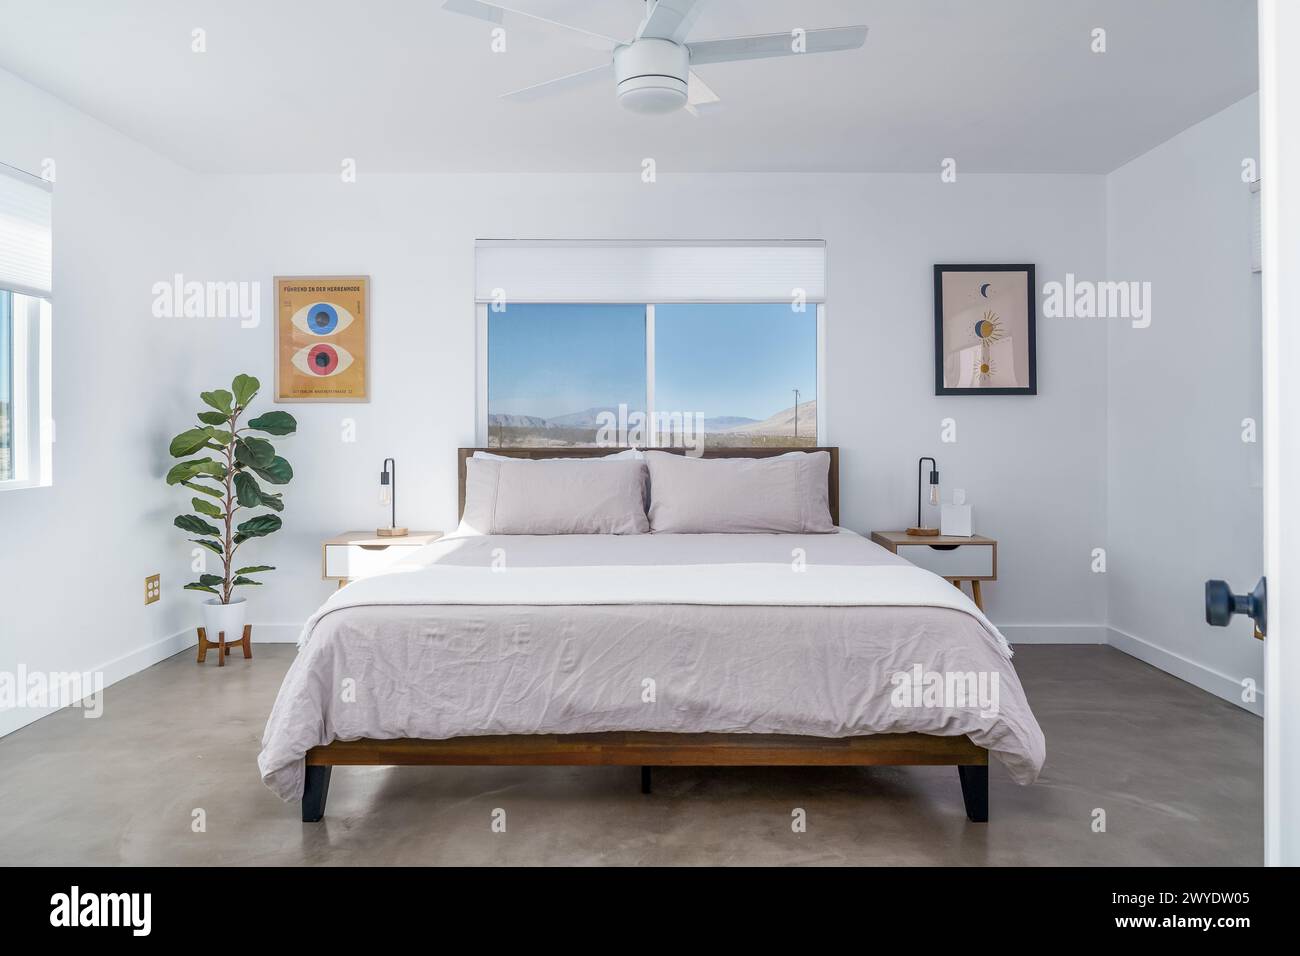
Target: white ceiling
(403, 86)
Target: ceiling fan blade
(559, 85)
(511, 18)
(777, 44)
(670, 19)
(700, 98)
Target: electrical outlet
(152, 588)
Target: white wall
(73, 557)
(1034, 467)
(1185, 501)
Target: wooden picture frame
(322, 338)
(985, 329)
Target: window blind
(25, 241)
(651, 272)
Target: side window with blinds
(25, 315)
(649, 345)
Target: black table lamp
(920, 528)
(388, 496)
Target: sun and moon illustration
(989, 328)
(987, 331)
(981, 329)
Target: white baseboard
(1053, 633)
(1171, 662)
(113, 671)
(276, 633)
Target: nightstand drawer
(360, 555)
(964, 561)
(359, 561)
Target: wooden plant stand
(224, 647)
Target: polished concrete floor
(1177, 772)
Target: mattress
(820, 635)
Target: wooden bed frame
(648, 750)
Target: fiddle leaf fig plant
(230, 475)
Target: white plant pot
(218, 617)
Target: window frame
(32, 427)
(481, 370)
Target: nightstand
(973, 559)
(359, 554)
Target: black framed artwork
(985, 330)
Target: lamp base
(401, 532)
(924, 532)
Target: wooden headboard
(832, 478)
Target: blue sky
(549, 360)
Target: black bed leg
(975, 791)
(645, 779)
(315, 789)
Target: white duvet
(824, 635)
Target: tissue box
(955, 520)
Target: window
(25, 265)
(722, 351)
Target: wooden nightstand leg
(203, 645)
(247, 642)
(979, 598)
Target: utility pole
(796, 413)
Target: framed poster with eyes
(985, 330)
(322, 338)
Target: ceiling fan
(653, 70)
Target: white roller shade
(25, 243)
(650, 272)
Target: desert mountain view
(580, 428)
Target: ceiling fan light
(652, 94)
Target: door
(1279, 36)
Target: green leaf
(185, 470)
(213, 418)
(211, 580)
(243, 580)
(254, 452)
(196, 525)
(214, 492)
(188, 442)
(207, 508)
(213, 546)
(253, 569)
(200, 587)
(221, 400)
(247, 490)
(277, 472)
(275, 423)
(219, 438)
(260, 526)
(245, 387)
(274, 502)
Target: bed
(650, 650)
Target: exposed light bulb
(385, 494)
(934, 494)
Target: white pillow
(785, 494)
(554, 496)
